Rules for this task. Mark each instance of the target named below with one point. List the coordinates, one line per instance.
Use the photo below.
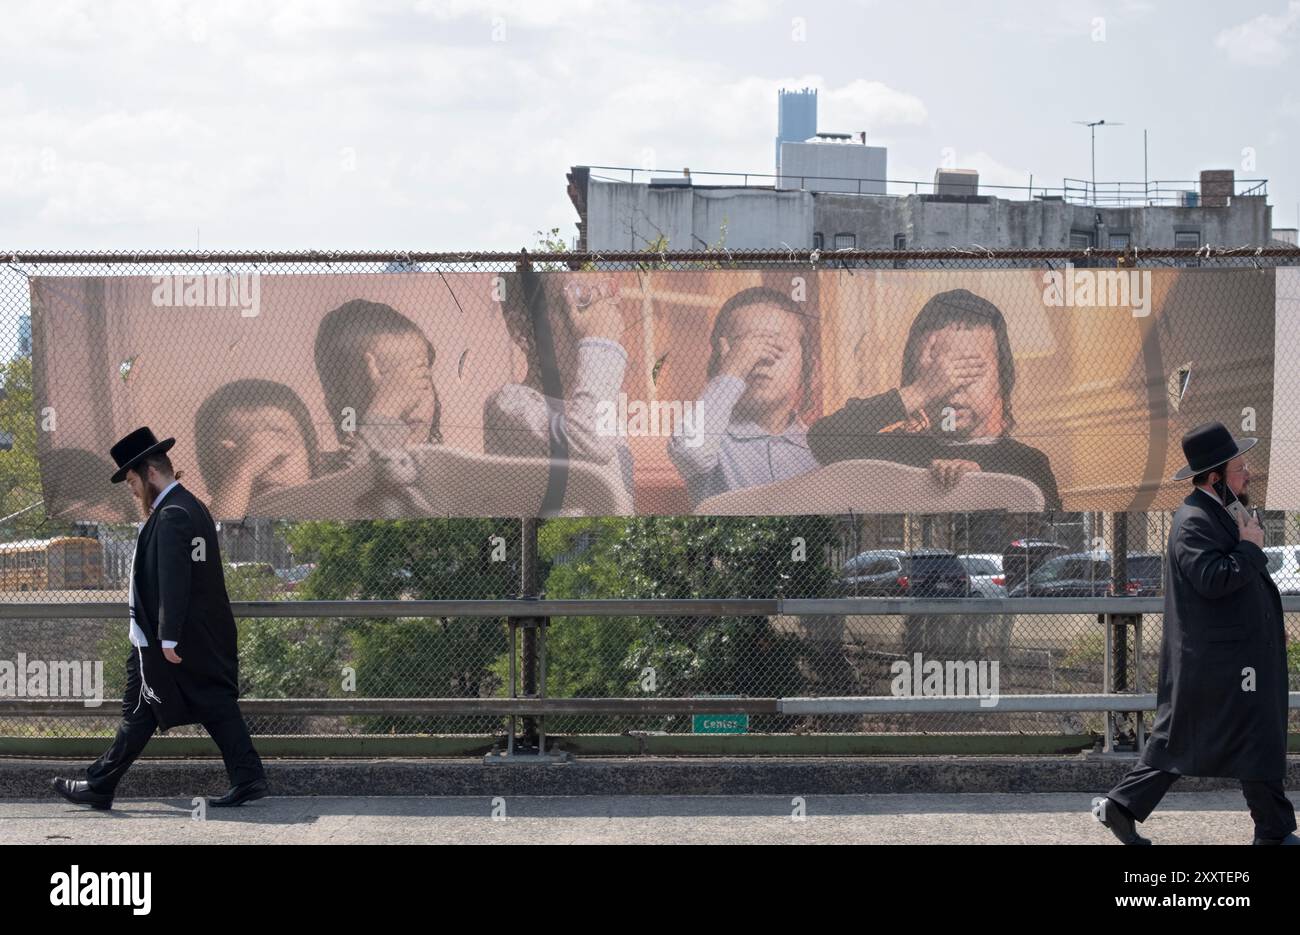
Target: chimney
(1217, 187)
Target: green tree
(421, 560)
(676, 558)
(20, 476)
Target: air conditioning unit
(956, 182)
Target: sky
(450, 125)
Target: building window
(846, 241)
(818, 241)
(1188, 240)
(1118, 240)
(900, 243)
(1082, 240)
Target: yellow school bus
(63, 563)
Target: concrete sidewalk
(1031, 818)
(618, 776)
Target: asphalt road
(1184, 818)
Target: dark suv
(894, 573)
(1024, 557)
(1089, 574)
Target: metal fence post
(1123, 728)
(530, 746)
(528, 591)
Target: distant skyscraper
(796, 118)
(25, 336)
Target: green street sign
(720, 723)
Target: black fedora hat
(1208, 446)
(134, 448)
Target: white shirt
(1212, 494)
(137, 635)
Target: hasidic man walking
(1222, 694)
(184, 663)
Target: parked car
(874, 573)
(254, 569)
(1023, 557)
(1284, 567)
(294, 575)
(985, 571)
(894, 573)
(1146, 574)
(1090, 574)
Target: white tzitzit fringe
(146, 693)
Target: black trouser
(138, 725)
(1142, 789)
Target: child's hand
(593, 311)
(751, 348)
(947, 473)
(943, 371)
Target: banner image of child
(762, 352)
(570, 332)
(951, 412)
(261, 439)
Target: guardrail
(631, 607)
(1122, 699)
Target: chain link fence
(51, 559)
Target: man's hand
(947, 473)
(1249, 529)
(169, 653)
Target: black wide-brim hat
(134, 448)
(1208, 446)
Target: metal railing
(1124, 700)
(1166, 192)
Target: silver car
(1284, 567)
(985, 570)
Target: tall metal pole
(528, 590)
(1146, 186)
(1092, 131)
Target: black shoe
(244, 792)
(1289, 839)
(1108, 812)
(79, 791)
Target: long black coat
(1222, 614)
(181, 595)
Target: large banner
(710, 391)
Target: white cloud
(735, 12)
(1263, 41)
(403, 124)
(869, 105)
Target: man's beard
(148, 492)
(1244, 497)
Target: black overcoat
(181, 595)
(1222, 692)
